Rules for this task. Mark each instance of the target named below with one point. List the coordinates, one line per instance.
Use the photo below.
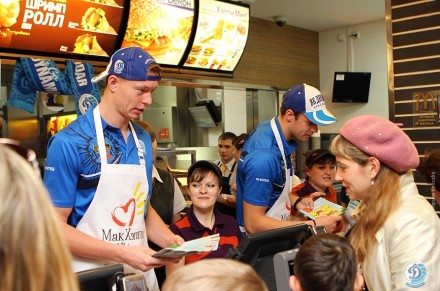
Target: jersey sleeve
(60, 171)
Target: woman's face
(204, 193)
(354, 177)
(322, 175)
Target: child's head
(320, 167)
(326, 262)
(215, 274)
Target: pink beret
(382, 139)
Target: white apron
(281, 209)
(116, 213)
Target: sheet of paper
(204, 244)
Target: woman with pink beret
(397, 234)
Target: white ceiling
(319, 15)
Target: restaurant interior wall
(367, 53)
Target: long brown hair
(381, 201)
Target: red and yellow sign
(75, 27)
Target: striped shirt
(190, 228)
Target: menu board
(72, 27)
(162, 28)
(221, 36)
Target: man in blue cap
(99, 169)
(265, 168)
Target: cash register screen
(100, 279)
(259, 249)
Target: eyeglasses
(28, 154)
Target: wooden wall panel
(414, 24)
(420, 51)
(417, 36)
(417, 66)
(279, 56)
(414, 37)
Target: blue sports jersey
(72, 169)
(261, 172)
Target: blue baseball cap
(308, 100)
(131, 63)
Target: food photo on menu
(94, 20)
(88, 44)
(9, 11)
(163, 30)
(87, 27)
(220, 37)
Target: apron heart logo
(123, 215)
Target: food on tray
(88, 44)
(94, 19)
(148, 27)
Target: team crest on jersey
(85, 102)
(415, 274)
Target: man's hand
(139, 257)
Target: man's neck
(113, 118)
(226, 162)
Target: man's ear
(289, 115)
(112, 82)
(295, 285)
(358, 283)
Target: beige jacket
(407, 254)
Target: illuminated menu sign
(75, 27)
(221, 36)
(162, 28)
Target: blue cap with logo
(308, 100)
(131, 63)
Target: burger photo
(196, 49)
(190, 60)
(148, 27)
